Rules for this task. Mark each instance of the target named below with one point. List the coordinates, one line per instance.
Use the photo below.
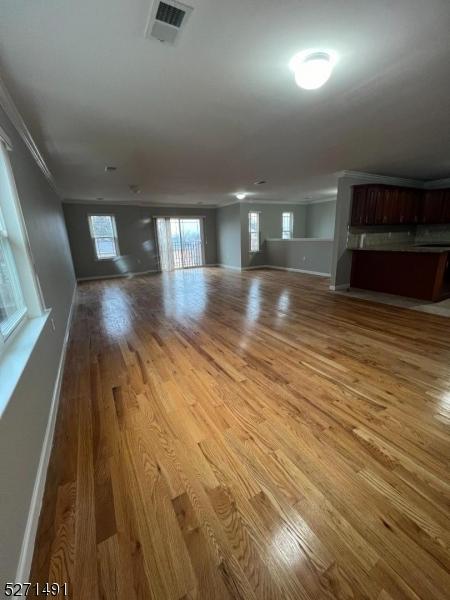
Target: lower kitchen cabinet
(424, 275)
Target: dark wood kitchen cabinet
(446, 207)
(369, 205)
(376, 204)
(424, 275)
(410, 202)
(436, 207)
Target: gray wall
(136, 233)
(23, 425)
(320, 219)
(270, 225)
(229, 235)
(305, 255)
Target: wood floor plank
(248, 435)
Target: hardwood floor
(248, 435)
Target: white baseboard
(342, 286)
(26, 553)
(252, 268)
(116, 275)
(136, 274)
(233, 268)
(318, 273)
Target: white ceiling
(220, 110)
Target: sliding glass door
(180, 242)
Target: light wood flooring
(248, 435)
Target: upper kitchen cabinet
(436, 206)
(375, 204)
(410, 205)
(446, 206)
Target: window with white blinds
(253, 231)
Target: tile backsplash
(432, 233)
(364, 237)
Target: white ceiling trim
(278, 203)
(321, 200)
(4, 137)
(437, 184)
(107, 203)
(7, 103)
(386, 179)
(275, 202)
(228, 203)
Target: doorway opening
(180, 242)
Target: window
(104, 236)
(253, 231)
(12, 305)
(20, 296)
(287, 225)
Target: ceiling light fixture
(312, 68)
(261, 182)
(241, 195)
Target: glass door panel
(180, 243)
(192, 243)
(166, 261)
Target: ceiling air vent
(166, 20)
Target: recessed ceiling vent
(166, 20)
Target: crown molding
(228, 203)
(275, 202)
(437, 184)
(4, 137)
(321, 200)
(278, 202)
(106, 203)
(386, 179)
(11, 111)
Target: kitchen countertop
(404, 248)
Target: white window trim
(25, 279)
(115, 236)
(13, 321)
(254, 212)
(21, 335)
(291, 225)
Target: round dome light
(241, 195)
(312, 68)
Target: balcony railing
(188, 254)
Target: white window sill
(15, 356)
